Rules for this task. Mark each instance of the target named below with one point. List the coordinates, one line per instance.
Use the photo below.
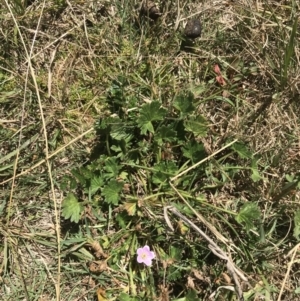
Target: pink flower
(220, 79)
(217, 69)
(144, 255)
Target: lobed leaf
(111, 192)
(150, 112)
(242, 150)
(71, 208)
(194, 151)
(197, 125)
(96, 184)
(248, 214)
(165, 134)
(184, 103)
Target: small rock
(193, 29)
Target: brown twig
(235, 272)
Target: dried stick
(293, 252)
(234, 272)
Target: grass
(114, 136)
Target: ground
(117, 131)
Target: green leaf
(297, 225)
(2, 206)
(71, 208)
(111, 192)
(184, 103)
(194, 151)
(248, 214)
(165, 134)
(150, 112)
(121, 148)
(198, 90)
(122, 220)
(255, 176)
(241, 150)
(126, 297)
(121, 132)
(289, 53)
(86, 172)
(163, 171)
(174, 273)
(112, 167)
(175, 253)
(73, 183)
(105, 124)
(190, 296)
(96, 184)
(197, 125)
(80, 177)
(290, 178)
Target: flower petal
(144, 255)
(140, 259)
(217, 69)
(140, 251)
(151, 255)
(148, 262)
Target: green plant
(140, 148)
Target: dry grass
(76, 51)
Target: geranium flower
(220, 79)
(144, 255)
